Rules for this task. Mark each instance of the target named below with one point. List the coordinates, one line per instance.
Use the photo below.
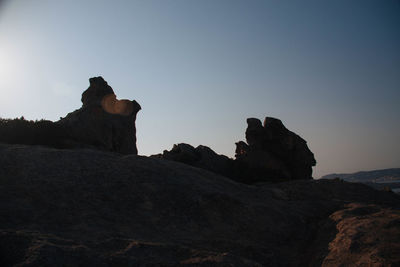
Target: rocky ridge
(96, 203)
(272, 154)
(88, 207)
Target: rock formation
(103, 122)
(200, 157)
(84, 207)
(273, 152)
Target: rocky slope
(90, 208)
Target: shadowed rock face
(201, 157)
(103, 122)
(88, 207)
(97, 90)
(272, 154)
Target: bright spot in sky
(8, 66)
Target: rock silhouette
(103, 122)
(200, 157)
(94, 207)
(272, 154)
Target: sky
(330, 70)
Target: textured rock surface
(273, 152)
(91, 208)
(360, 231)
(103, 122)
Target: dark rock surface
(91, 208)
(273, 153)
(103, 122)
(201, 157)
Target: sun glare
(112, 105)
(8, 65)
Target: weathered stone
(84, 207)
(97, 90)
(273, 152)
(103, 122)
(201, 157)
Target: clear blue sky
(330, 70)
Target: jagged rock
(87, 207)
(273, 152)
(103, 122)
(95, 93)
(201, 157)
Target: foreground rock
(93, 208)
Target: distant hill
(378, 179)
(375, 176)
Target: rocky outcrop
(88, 207)
(200, 157)
(103, 122)
(273, 152)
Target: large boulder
(103, 122)
(273, 152)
